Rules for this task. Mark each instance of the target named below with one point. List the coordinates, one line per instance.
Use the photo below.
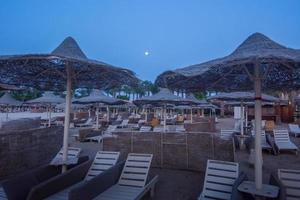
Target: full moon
(146, 53)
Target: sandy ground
(187, 185)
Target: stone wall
(23, 150)
(178, 150)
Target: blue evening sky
(119, 32)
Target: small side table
(270, 191)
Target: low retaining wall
(23, 150)
(173, 150)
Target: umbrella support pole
(49, 123)
(67, 118)
(97, 117)
(191, 115)
(258, 150)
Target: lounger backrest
(125, 122)
(136, 169)
(145, 128)
(180, 128)
(219, 179)
(294, 128)
(291, 180)
(73, 152)
(103, 161)
(111, 128)
(281, 135)
(226, 134)
(158, 129)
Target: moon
(146, 53)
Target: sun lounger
(220, 176)
(158, 129)
(33, 184)
(265, 143)
(73, 154)
(145, 128)
(226, 134)
(132, 182)
(294, 129)
(124, 123)
(289, 183)
(89, 122)
(106, 133)
(2, 194)
(180, 128)
(283, 142)
(103, 161)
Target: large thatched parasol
(48, 99)
(67, 64)
(258, 59)
(162, 98)
(97, 97)
(7, 100)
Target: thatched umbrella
(258, 59)
(162, 98)
(65, 65)
(98, 97)
(7, 100)
(8, 87)
(48, 99)
(242, 97)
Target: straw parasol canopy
(242, 96)
(257, 60)
(48, 98)
(235, 71)
(98, 96)
(163, 97)
(8, 100)
(8, 87)
(48, 71)
(58, 70)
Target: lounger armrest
(60, 182)
(235, 193)
(275, 181)
(92, 188)
(149, 186)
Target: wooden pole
(67, 118)
(258, 150)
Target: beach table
(267, 191)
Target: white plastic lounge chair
(73, 154)
(282, 140)
(89, 122)
(264, 144)
(106, 133)
(158, 129)
(2, 194)
(291, 180)
(145, 129)
(294, 129)
(103, 161)
(180, 128)
(219, 179)
(132, 182)
(124, 123)
(226, 134)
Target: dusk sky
(174, 33)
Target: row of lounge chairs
(282, 140)
(103, 178)
(222, 179)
